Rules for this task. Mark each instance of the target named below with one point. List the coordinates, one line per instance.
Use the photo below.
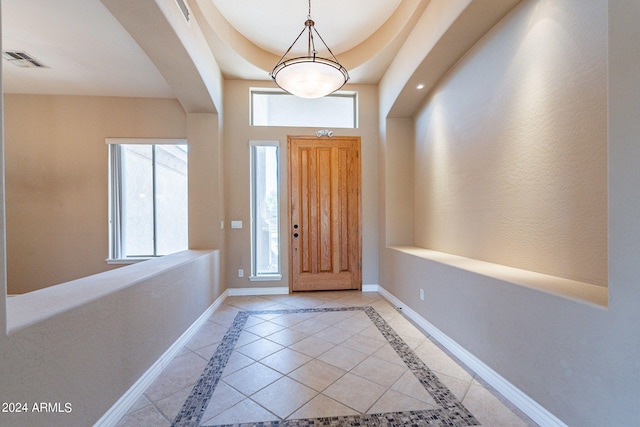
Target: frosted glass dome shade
(309, 77)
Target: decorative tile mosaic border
(452, 412)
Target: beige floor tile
(458, 387)
(281, 306)
(145, 417)
(342, 357)
(170, 406)
(303, 301)
(223, 398)
(440, 362)
(267, 316)
(386, 352)
(259, 349)
(333, 317)
(322, 406)
(246, 338)
(253, 321)
(354, 325)
(446, 365)
(311, 365)
(291, 319)
(139, 404)
(224, 315)
(246, 411)
(405, 328)
(394, 401)
(373, 332)
(207, 352)
(249, 303)
(284, 396)
(427, 349)
(287, 337)
(379, 371)
(488, 409)
(312, 346)
(384, 308)
(252, 378)
(236, 362)
(317, 374)
(265, 328)
(410, 385)
(334, 335)
(310, 326)
(364, 344)
(210, 333)
(182, 372)
(285, 360)
(355, 392)
(413, 342)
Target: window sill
(124, 261)
(266, 278)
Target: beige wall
(87, 341)
(528, 146)
(511, 150)
(100, 334)
(56, 179)
(237, 135)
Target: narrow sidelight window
(265, 211)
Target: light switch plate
(236, 224)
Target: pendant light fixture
(309, 76)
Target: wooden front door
(324, 213)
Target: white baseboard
(120, 408)
(235, 292)
(523, 402)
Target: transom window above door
(278, 108)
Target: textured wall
(237, 134)
(56, 179)
(90, 355)
(575, 359)
(511, 151)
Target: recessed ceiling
(88, 51)
(274, 24)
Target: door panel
(324, 200)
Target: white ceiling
(88, 52)
(273, 25)
(85, 47)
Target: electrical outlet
(240, 272)
(421, 294)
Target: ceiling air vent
(184, 8)
(22, 59)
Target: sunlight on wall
(511, 149)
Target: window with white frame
(265, 211)
(278, 108)
(148, 198)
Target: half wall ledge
(582, 292)
(28, 309)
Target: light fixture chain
(311, 76)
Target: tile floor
(325, 358)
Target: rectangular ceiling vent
(184, 8)
(22, 59)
